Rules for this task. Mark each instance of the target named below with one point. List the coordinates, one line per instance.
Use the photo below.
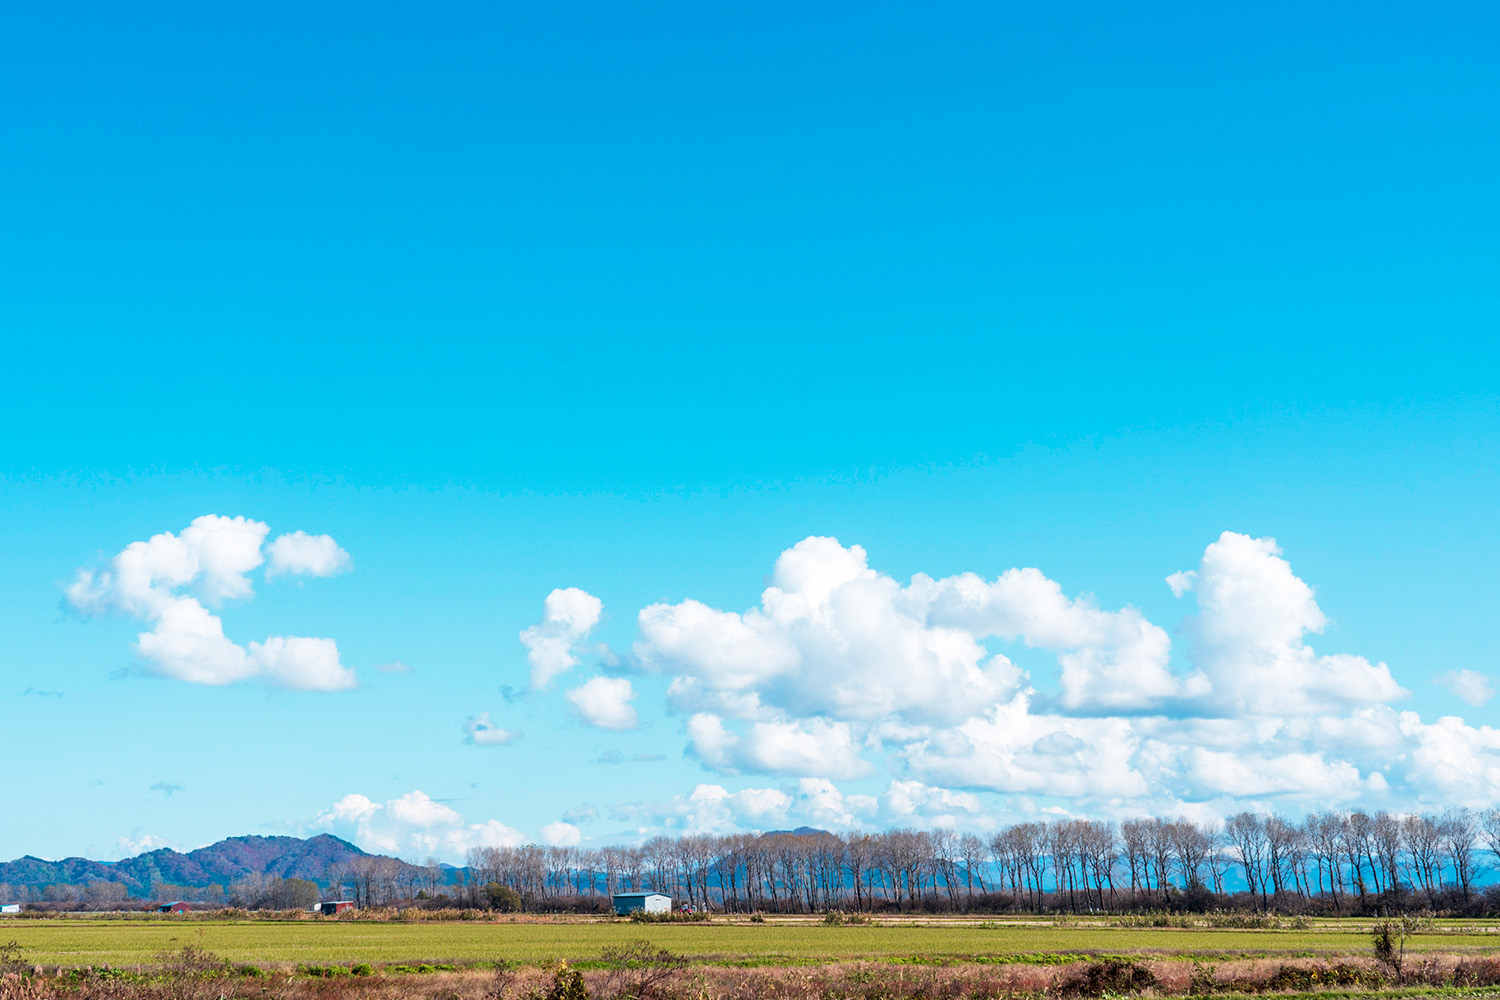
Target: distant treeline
(1336, 862)
(1329, 862)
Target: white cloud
(1452, 762)
(1181, 582)
(1011, 749)
(812, 747)
(299, 552)
(166, 579)
(907, 803)
(709, 809)
(820, 803)
(412, 825)
(1470, 686)
(561, 834)
(832, 637)
(839, 665)
(480, 731)
(139, 843)
(1253, 614)
(1109, 659)
(1307, 776)
(302, 664)
(568, 616)
(605, 702)
(815, 802)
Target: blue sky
(510, 301)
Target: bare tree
(1246, 833)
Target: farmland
(80, 942)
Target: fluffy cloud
(480, 731)
(813, 747)
(168, 579)
(1253, 615)
(839, 666)
(815, 802)
(139, 843)
(299, 552)
(561, 834)
(911, 803)
(833, 637)
(709, 809)
(830, 637)
(1470, 686)
(1011, 749)
(605, 702)
(568, 616)
(1452, 762)
(412, 825)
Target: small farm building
(173, 908)
(651, 902)
(333, 906)
(10, 907)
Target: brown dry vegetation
(650, 975)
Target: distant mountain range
(224, 863)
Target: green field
(85, 941)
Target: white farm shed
(652, 902)
(10, 907)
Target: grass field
(84, 941)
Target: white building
(652, 902)
(10, 907)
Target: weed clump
(639, 970)
(567, 984)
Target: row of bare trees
(1339, 860)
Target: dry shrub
(1477, 972)
(638, 970)
(15, 986)
(1110, 975)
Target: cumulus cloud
(561, 834)
(838, 666)
(167, 788)
(1452, 762)
(815, 802)
(139, 843)
(172, 580)
(1470, 686)
(568, 616)
(1248, 637)
(299, 552)
(709, 809)
(813, 747)
(412, 825)
(480, 731)
(833, 637)
(911, 803)
(1014, 750)
(605, 702)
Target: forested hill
(224, 863)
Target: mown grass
(85, 942)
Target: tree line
(1335, 861)
(1331, 861)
